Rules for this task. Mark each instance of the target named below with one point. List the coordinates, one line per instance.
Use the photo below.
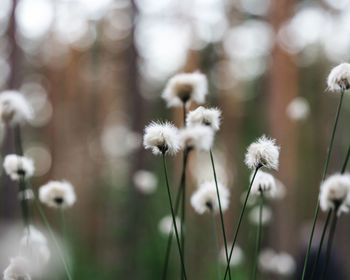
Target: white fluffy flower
(210, 117)
(278, 263)
(265, 217)
(166, 225)
(265, 183)
(57, 194)
(14, 108)
(34, 247)
(205, 198)
(298, 109)
(198, 137)
(185, 87)
(236, 258)
(339, 78)
(145, 181)
(335, 190)
(161, 138)
(18, 269)
(15, 166)
(263, 152)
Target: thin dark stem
(323, 177)
(330, 242)
(173, 216)
(184, 112)
(259, 235)
(345, 161)
(321, 244)
(215, 237)
(220, 210)
(52, 235)
(177, 203)
(18, 140)
(183, 203)
(24, 201)
(240, 219)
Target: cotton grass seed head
(57, 194)
(161, 138)
(14, 108)
(266, 216)
(263, 183)
(282, 264)
(298, 109)
(206, 116)
(16, 166)
(205, 199)
(185, 87)
(263, 152)
(18, 269)
(339, 77)
(197, 137)
(145, 181)
(335, 192)
(237, 255)
(166, 225)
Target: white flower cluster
(335, 192)
(57, 194)
(266, 216)
(237, 256)
(339, 77)
(281, 263)
(145, 181)
(264, 183)
(166, 225)
(15, 166)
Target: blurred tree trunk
(283, 87)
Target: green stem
(24, 201)
(345, 161)
(323, 177)
(215, 237)
(240, 219)
(52, 235)
(330, 241)
(184, 112)
(220, 210)
(173, 215)
(183, 202)
(18, 140)
(259, 235)
(320, 245)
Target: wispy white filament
(14, 108)
(198, 137)
(205, 199)
(185, 87)
(335, 190)
(15, 165)
(57, 194)
(339, 77)
(205, 116)
(263, 152)
(161, 137)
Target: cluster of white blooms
(198, 137)
(339, 77)
(335, 193)
(263, 152)
(145, 181)
(18, 269)
(14, 108)
(57, 194)
(206, 116)
(298, 109)
(281, 263)
(266, 216)
(237, 256)
(15, 166)
(205, 199)
(185, 87)
(166, 225)
(263, 183)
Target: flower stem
(240, 219)
(183, 202)
(320, 245)
(24, 201)
(259, 235)
(52, 235)
(18, 140)
(345, 161)
(323, 177)
(220, 210)
(330, 241)
(215, 237)
(173, 216)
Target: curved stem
(259, 235)
(240, 219)
(220, 210)
(52, 235)
(216, 244)
(321, 244)
(330, 242)
(323, 177)
(173, 216)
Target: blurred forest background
(94, 71)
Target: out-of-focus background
(94, 71)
